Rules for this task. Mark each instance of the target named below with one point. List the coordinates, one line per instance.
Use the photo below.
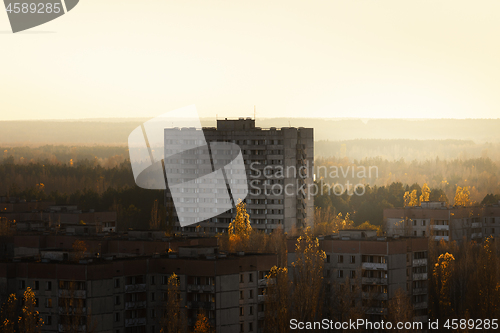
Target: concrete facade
(375, 268)
(440, 222)
(127, 295)
(279, 169)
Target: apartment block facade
(375, 268)
(279, 170)
(441, 222)
(115, 295)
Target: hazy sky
(334, 58)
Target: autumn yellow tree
(277, 301)
(79, 248)
(326, 222)
(442, 279)
(307, 277)
(202, 324)
(8, 316)
(171, 320)
(239, 230)
(413, 198)
(30, 321)
(426, 193)
(406, 199)
(462, 196)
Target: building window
(153, 281)
(48, 302)
(153, 313)
(352, 274)
(241, 311)
(341, 259)
(250, 327)
(117, 283)
(423, 223)
(340, 273)
(241, 295)
(152, 296)
(353, 259)
(251, 294)
(153, 329)
(328, 258)
(48, 320)
(36, 285)
(117, 300)
(48, 286)
(36, 302)
(250, 277)
(117, 316)
(22, 284)
(241, 328)
(251, 310)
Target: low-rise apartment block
(441, 222)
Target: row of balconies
(368, 280)
(208, 288)
(440, 227)
(419, 276)
(72, 310)
(72, 293)
(131, 322)
(421, 305)
(419, 262)
(374, 266)
(134, 288)
(377, 296)
(135, 305)
(68, 328)
(419, 291)
(438, 238)
(201, 305)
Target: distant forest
(100, 177)
(116, 131)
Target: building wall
(288, 149)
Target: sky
(325, 59)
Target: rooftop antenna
(254, 112)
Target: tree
(400, 310)
(277, 301)
(326, 222)
(406, 198)
(442, 278)
(307, 277)
(154, 222)
(30, 321)
(413, 198)
(426, 192)
(202, 324)
(239, 230)
(462, 196)
(79, 247)
(171, 321)
(8, 315)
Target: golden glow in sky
(333, 58)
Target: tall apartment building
(127, 295)
(375, 268)
(441, 222)
(279, 169)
